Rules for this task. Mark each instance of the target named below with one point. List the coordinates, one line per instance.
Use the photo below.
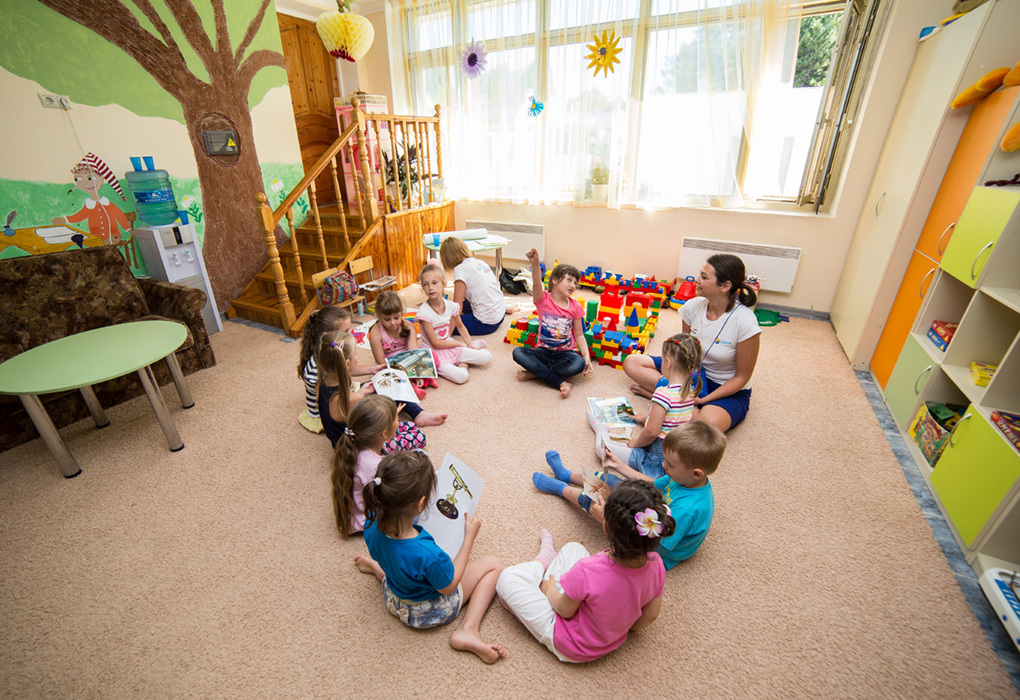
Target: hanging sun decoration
(536, 108)
(473, 59)
(345, 34)
(603, 53)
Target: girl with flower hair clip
(581, 606)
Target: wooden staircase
(282, 293)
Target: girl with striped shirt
(672, 405)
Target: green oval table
(78, 361)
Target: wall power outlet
(50, 101)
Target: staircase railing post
(287, 315)
(370, 203)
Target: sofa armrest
(183, 304)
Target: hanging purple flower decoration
(536, 108)
(473, 59)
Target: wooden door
(311, 72)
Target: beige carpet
(217, 571)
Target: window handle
(943, 237)
(956, 427)
(877, 203)
(920, 290)
(923, 372)
(973, 275)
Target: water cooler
(171, 254)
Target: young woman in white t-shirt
(475, 288)
(722, 319)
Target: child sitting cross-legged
(581, 606)
(691, 453)
(421, 585)
(560, 350)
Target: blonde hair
(431, 268)
(369, 420)
(332, 356)
(453, 252)
(697, 444)
(684, 352)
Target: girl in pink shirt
(581, 606)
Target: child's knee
(491, 563)
(457, 375)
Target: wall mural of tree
(233, 247)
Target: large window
(711, 102)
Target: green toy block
(533, 326)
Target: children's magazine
(594, 487)
(417, 364)
(395, 384)
(458, 490)
(616, 414)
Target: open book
(395, 384)
(458, 490)
(616, 414)
(417, 364)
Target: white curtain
(670, 125)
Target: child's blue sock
(552, 458)
(548, 484)
(584, 502)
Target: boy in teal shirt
(691, 452)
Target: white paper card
(458, 489)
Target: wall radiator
(523, 237)
(775, 266)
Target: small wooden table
(78, 361)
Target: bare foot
(524, 375)
(640, 391)
(463, 640)
(565, 388)
(424, 418)
(513, 308)
(368, 565)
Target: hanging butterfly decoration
(472, 61)
(536, 107)
(603, 53)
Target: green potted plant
(403, 170)
(599, 183)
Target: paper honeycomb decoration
(345, 35)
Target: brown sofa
(45, 297)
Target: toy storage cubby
(976, 479)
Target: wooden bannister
(378, 147)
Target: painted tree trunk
(233, 247)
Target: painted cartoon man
(104, 218)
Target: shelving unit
(976, 480)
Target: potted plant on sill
(599, 183)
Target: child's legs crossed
(409, 437)
(475, 357)
(567, 363)
(453, 373)
(539, 361)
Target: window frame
(848, 75)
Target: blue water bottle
(154, 197)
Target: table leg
(178, 377)
(151, 387)
(95, 408)
(499, 261)
(48, 431)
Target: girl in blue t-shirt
(421, 584)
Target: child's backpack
(337, 288)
